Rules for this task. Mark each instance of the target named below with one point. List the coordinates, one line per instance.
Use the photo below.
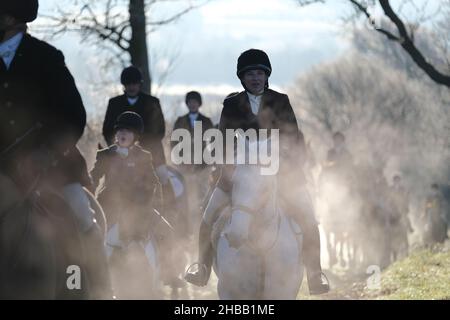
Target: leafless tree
(383, 113)
(400, 30)
(120, 27)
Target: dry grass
(423, 275)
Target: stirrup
(191, 276)
(324, 287)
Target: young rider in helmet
(149, 108)
(131, 190)
(245, 110)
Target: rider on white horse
(260, 107)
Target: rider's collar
(122, 151)
(255, 96)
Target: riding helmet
(23, 10)
(130, 75)
(195, 96)
(253, 59)
(131, 121)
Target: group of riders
(368, 220)
(43, 118)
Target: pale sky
(210, 39)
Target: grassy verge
(423, 275)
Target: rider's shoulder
(149, 98)
(145, 154)
(233, 99)
(276, 94)
(117, 100)
(42, 49)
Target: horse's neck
(250, 188)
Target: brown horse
(40, 244)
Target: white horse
(256, 242)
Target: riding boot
(168, 254)
(219, 200)
(311, 250)
(304, 216)
(201, 276)
(97, 270)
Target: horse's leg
(346, 246)
(338, 248)
(352, 246)
(332, 247)
(350, 253)
(329, 248)
(341, 250)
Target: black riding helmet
(130, 75)
(195, 96)
(253, 59)
(131, 121)
(23, 10)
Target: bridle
(254, 213)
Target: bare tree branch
(404, 38)
(123, 36)
(411, 49)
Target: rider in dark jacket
(260, 107)
(131, 191)
(43, 118)
(147, 106)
